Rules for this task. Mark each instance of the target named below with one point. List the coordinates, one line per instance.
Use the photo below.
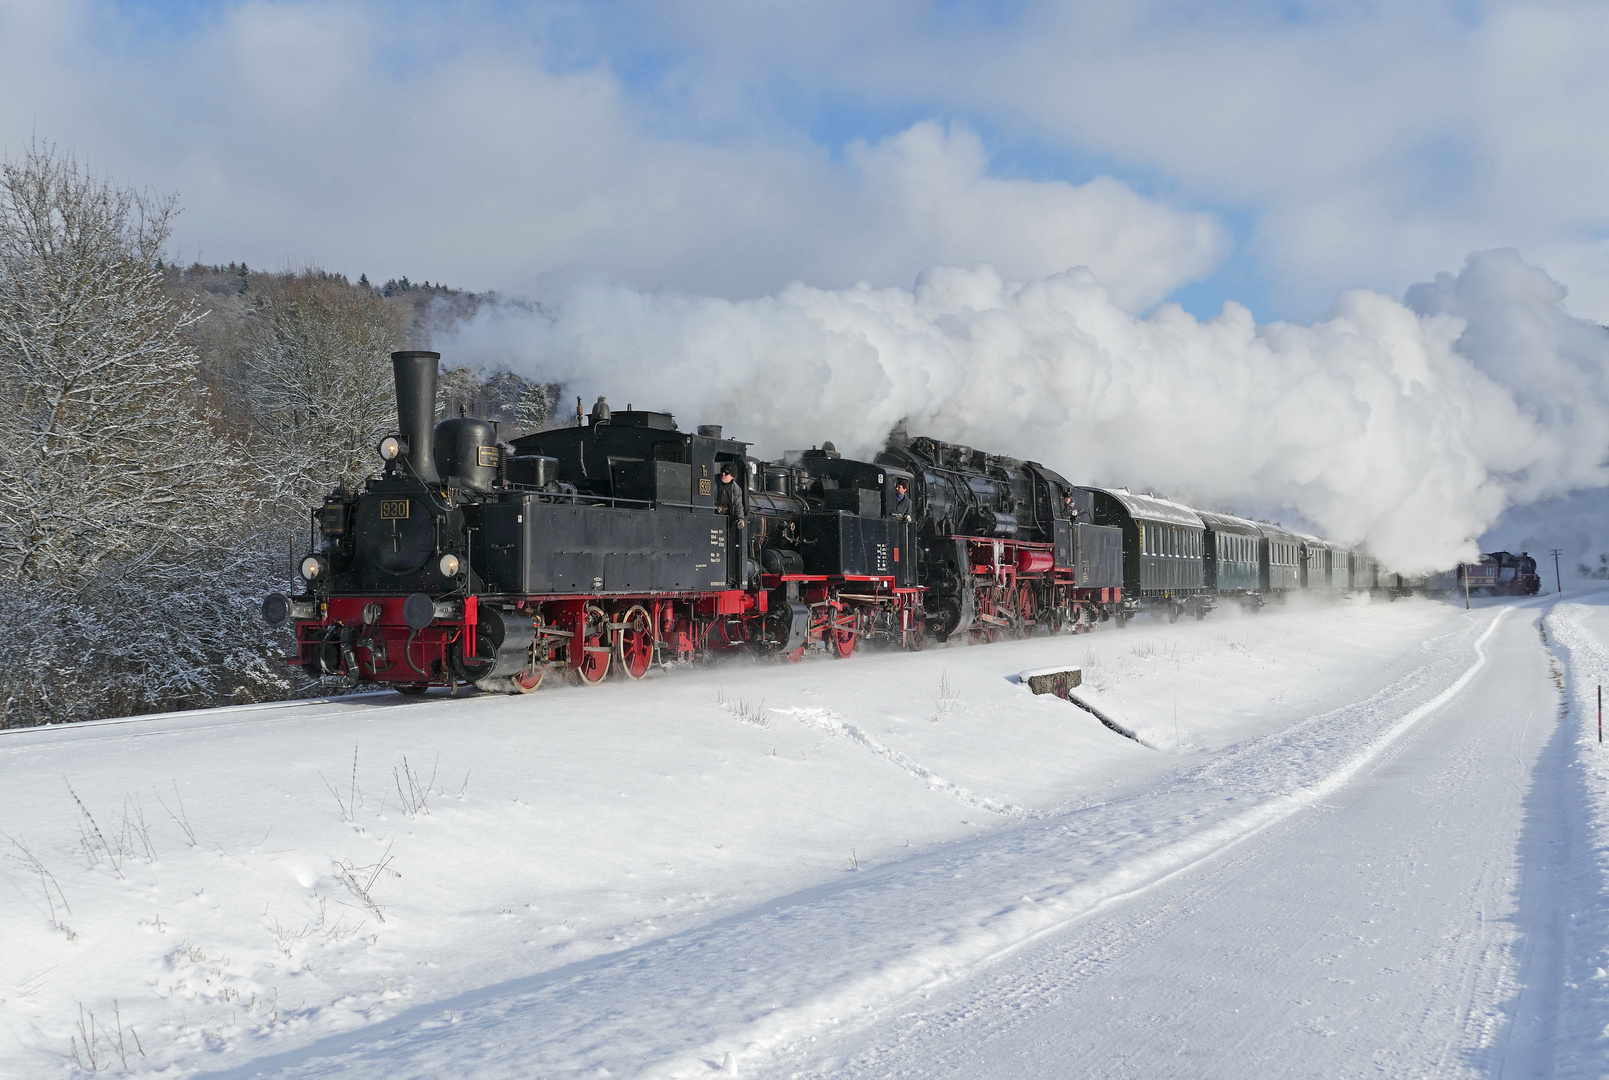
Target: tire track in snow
(830, 722)
(1032, 918)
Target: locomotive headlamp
(314, 567)
(449, 565)
(391, 447)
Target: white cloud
(937, 205)
(1369, 144)
(324, 133)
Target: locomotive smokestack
(416, 409)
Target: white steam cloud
(1408, 426)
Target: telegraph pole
(1557, 583)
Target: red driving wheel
(592, 663)
(845, 632)
(634, 645)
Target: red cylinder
(1034, 562)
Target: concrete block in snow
(1052, 680)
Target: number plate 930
(393, 509)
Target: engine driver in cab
(1070, 507)
(729, 498)
(902, 501)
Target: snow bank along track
(762, 984)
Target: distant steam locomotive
(607, 547)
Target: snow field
(483, 840)
(1398, 926)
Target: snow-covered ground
(1353, 837)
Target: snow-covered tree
(313, 377)
(533, 408)
(104, 456)
(459, 386)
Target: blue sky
(730, 147)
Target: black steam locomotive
(1001, 548)
(610, 546)
(588, 549)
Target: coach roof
(1151, 508)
